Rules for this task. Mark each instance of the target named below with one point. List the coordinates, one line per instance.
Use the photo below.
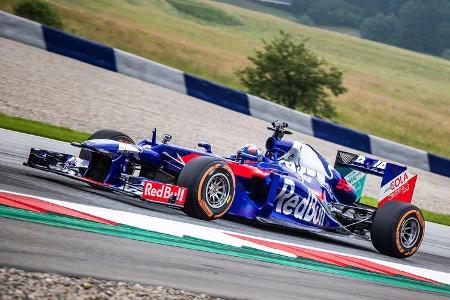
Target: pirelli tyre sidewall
(390, 221)
(200, 176)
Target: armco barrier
(217, 94)
(21, 30)
(150, 71)
(340, 135)
(265, 110)
(34, 34)
(89, 52)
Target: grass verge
(204, 12)
(42, 129)
(429, 215)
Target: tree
(381, 28)
(420, 21)
(446, 54)
(334, 13)
(373, 7)
(300, 7)
(442, 36)
(38, 11)
(417, 25)
(292, 75)
(328, 12)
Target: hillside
(394, 93)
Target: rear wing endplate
(396, 183)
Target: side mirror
(206, 146)
(166, 138)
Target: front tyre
(108, 134)
(211, 186)
(397, 229)
(100, 164)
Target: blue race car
(289, 184)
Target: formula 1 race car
(290, 184)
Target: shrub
(292, 75)
(38, 11)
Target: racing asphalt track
(44, 248)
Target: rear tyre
(397, 229)
(211, 186)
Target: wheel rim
(217, 190)
(409, 232)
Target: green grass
(369, 201)
(42, 129)
(429, 215)
(393, 93)
(257, 6)
(436, 217)
(204, 12)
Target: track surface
(44, 248)
(47, 87)
(69, 252)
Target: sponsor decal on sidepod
(307, 209)
(160, 192)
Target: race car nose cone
(110, 146)
(101, 145)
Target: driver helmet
(252, 150)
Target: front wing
(138, 187)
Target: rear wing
(396, 183)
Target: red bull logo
(307, 209)
(165, 193)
